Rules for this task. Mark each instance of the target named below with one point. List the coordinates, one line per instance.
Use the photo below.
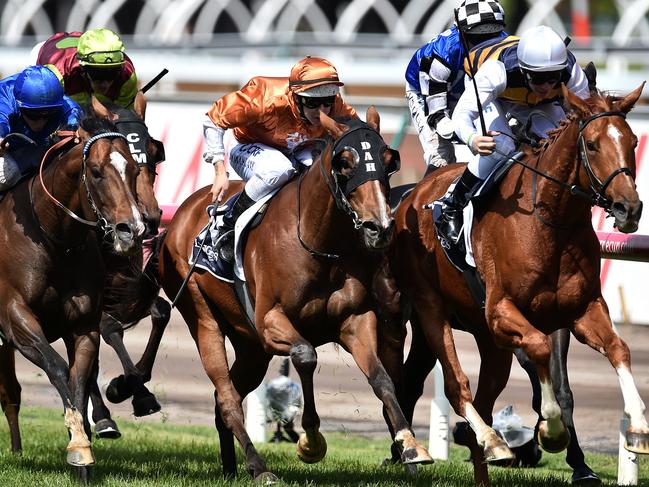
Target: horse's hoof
(637, 442)
(81, 457)
(585, 477)
(552, 445)
(145, 405)
(107, 428)
(311, 452)
(118, 390)
(266, 478)
(499, 453)
(415, 456)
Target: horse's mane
(94, 124)
(598, 102)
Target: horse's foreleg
(595, 329)
(29, 339)
(160, 316)
(511, 330)
(83, 349)
(358, 336)
(144, 402)
(281, 338)
(105, 427)
(581, 472)
(10, 394)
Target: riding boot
(224, 245)
(455, 203)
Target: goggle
(38, 114)
(316, 102)
(542, 77)
(101, 74)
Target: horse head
(109, 172)
(606, 147)
(147, 152)
(361, 164)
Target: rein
(69, 136)
(596, 196)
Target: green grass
(151, 454)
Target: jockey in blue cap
(32, 103)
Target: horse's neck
(320, 219)
(561, 161)
(62, 180)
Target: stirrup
(224, 246)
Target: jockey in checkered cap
(435, 76)
(519, 77)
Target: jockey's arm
(492, 81)
(578, 83)
(215, 155)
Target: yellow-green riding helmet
(100, 48)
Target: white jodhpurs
(9, 172)
(262, 167)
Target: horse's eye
(590, 145)
(96, 172)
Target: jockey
(268, 118)
(435, 77)
(521, 77)
(32, 103)
(91, 63)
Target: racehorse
(539, 258)
(55, 225)
(308, 266)
(122, 271)
(126, 276)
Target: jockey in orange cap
(268, 118)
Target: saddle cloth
(202, 249)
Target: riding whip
(465, 44)
(150, 84)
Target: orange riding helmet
(314, 77)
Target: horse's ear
(576, 103)
(372, 118)
(626, 104)
(334, 128)
(100, 109)
(139, 105)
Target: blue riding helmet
(37, 87)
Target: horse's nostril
(124, 231)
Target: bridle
(101, 223)
(333, 184)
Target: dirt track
(345, 400)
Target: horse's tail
(134, 289)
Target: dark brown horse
(55, 226)
(122, 272)
(539, 257)
(309, 267)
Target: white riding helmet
(321, 91)
(542, 49)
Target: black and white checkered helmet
(481, 16)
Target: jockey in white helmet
(515, 76)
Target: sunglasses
(317, 102)
(38, 114)
(99, 74)
(539, 78)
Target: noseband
(598, 187)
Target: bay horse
(55, 226)
(121, 272)
(308, 266)
(539, 258)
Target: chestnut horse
(309, 267)
(55, 226)
(539, 257)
